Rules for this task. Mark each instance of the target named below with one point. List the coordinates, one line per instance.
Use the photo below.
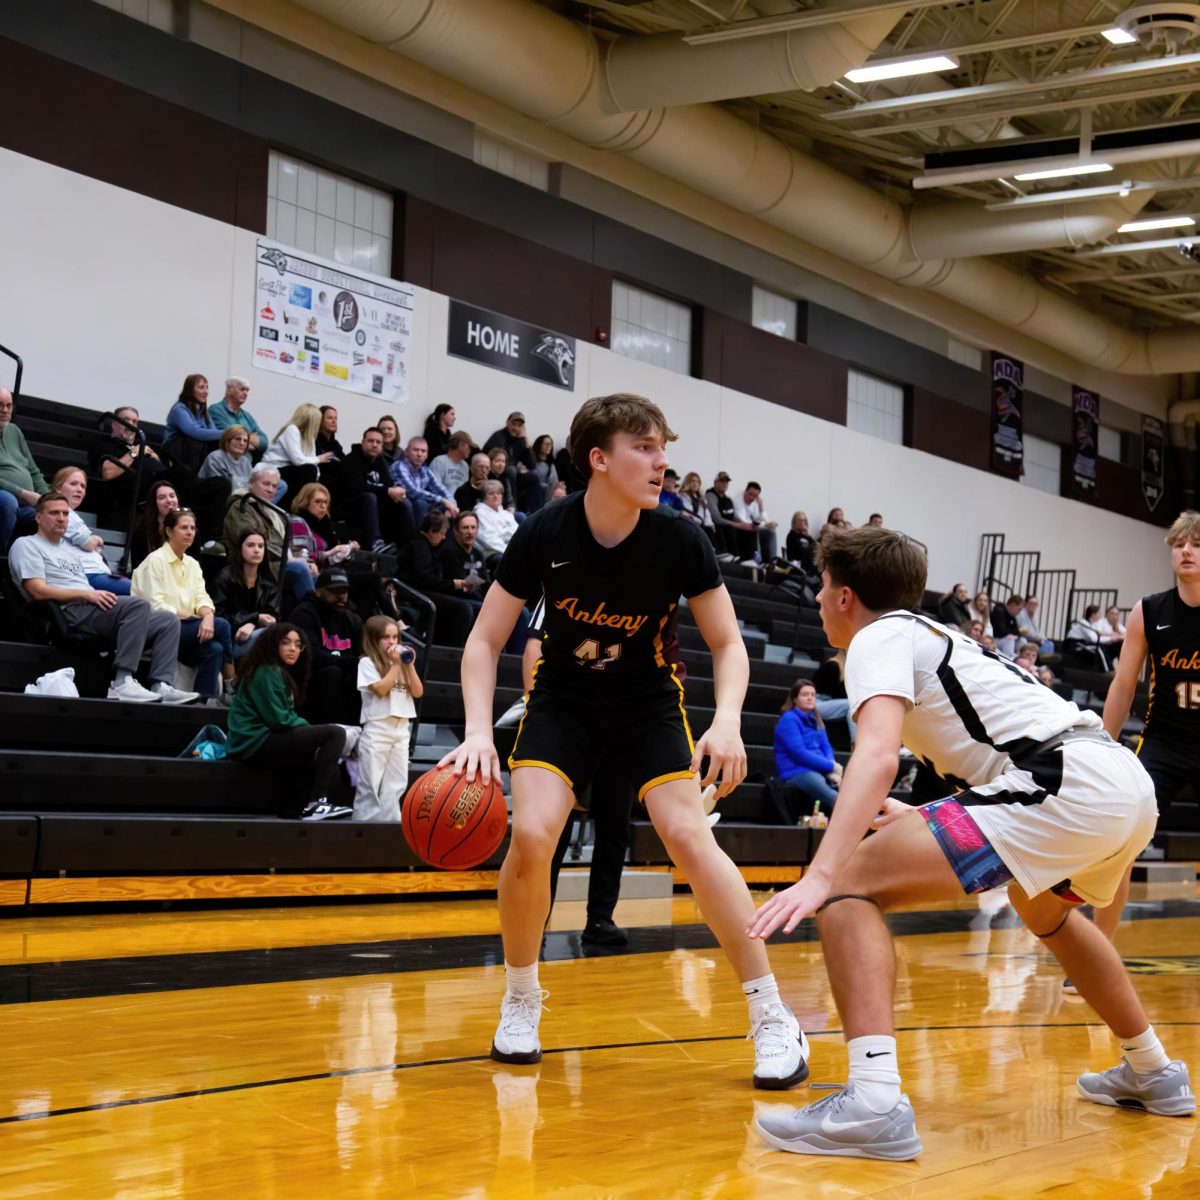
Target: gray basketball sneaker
(842, 1125)
(1167, 1092)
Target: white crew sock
(875, 1072)
(522, 981)
(1145, 1052)
(759, 993)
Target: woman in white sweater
(293, 452)
(496, 523)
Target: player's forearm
(864, 788)
(479, 662)
(1116, 706)
(731, 677)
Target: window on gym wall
(1109, 444)
(513, 161)
(651, 328)
(1043, 465)
(774, 313)
(329, 215)
(875, 406)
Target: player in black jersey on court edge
(1165, 626)
(612, 566)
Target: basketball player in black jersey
(1165, 627)
(612, 566)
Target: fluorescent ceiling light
(897, 68)
(1063, 172)
(1118, 37)
(1155, 223)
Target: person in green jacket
(265, 730)
(21, 482)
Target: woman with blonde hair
(293, 452)
(695, 508)
(71, 484)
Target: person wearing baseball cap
(529, 490)
(334, 631)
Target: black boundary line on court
(77, 979)
(316, 1076)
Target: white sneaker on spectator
(353, 733)
(325, 810)
(131, 691)
(172, 695)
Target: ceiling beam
(830, 14)
(962, 50)
(1175, 243)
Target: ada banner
(1085, 407)
(512, 346)
(1154, 457)
(314, 320)
(1008, 399)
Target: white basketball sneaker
(516, 1039)
(780, 1049)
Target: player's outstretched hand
(726, 756)
(789, 907)
(477, 753)
(892, 810)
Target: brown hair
(600, 419)
(883, 568)
(1186, 527)
(459, 438)
(306, 494)
(49, 498)
(794, 692)
(230, 432)
(187, 397)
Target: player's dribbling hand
(892, 810)
(726, 756)
(789, 907)
(476, 754)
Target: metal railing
(1010, 573)
(990, 545)
(16, 388)
(1103, 598)
(1053, 588)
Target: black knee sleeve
(848, 896)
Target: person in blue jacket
(190, 432)
(804, 761)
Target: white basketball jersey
(970, 711)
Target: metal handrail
(16, 389)
(422, 647)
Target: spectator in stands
(422, 566)
(557, 492)
(1005, 629)
(988, 642)
(800, 546)
(1031, 631)
(876, 519)
(524, 487)
(804, 759)
(369, 499)
(314, 530)
(44, 570)
(173, 582)
(496, 524)
(256, 509)
(543, 467)
(669, 496)
(568, 473)
(422, 487)
(749, 509)
(391, 439)
(973, 629)
(954, 608)
(21, 481)
(452, 469)
(1111, 629)
(244, 593)
(293, 453)
(333, 631)
(835, 520)
(232, 411)
(462, 559)
(1027, 657)
(115, 458)
(327, 442)
(439, 426)
(231, 459)
(981, 610)
(470, 493)
(735, 538)
(71, 484)
(388, 684)
(695, 506)
(266, 731)
(149, 533)
(498, 461)
(832, 703)
(191, 433)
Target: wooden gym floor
(342, 1052)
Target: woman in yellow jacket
(172, 581)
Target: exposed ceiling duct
(551, 69)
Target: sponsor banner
(1085, 442)
(1008, 402)
(512, 346)
(1154, 461)
(316, 321)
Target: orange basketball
(453, 824)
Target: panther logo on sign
(276, 258)
(558, 353)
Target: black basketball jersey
(1173, 635)
(608, 626)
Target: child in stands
(389, 684)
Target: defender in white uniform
(1049, 805)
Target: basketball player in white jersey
(1051, 806)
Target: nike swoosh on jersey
(554, 566)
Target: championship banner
(1008, 400)
(1085, 408)
(1154, 458)
(316, 321)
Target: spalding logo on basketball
(453, 824)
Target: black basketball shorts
(647, 734)
(1176, 776)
